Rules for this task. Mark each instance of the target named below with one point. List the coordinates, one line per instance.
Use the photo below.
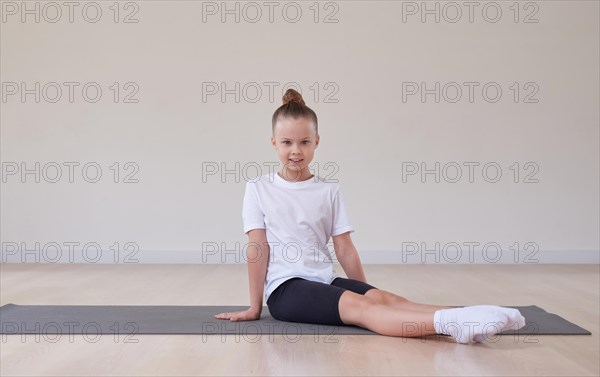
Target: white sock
(474, 324)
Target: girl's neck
(294, 176)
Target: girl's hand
(247, 315)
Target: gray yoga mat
(123, 320)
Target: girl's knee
(384, 297)
(377, 295)
(353, 306)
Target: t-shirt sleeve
(341, 222)
(252, 215)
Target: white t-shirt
(299, 218)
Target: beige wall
(356, 73)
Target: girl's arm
(258, 258)
(347, 255)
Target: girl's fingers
(231, 316)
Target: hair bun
(292, 95)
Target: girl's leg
(473, 323)
(390, 299)
(382, 296)
(391, 320)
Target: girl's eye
(304, 142)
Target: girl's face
(295, 141)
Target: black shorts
(301, 300)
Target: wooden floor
(571, 291)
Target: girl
(289, 217)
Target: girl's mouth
(296, 161)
